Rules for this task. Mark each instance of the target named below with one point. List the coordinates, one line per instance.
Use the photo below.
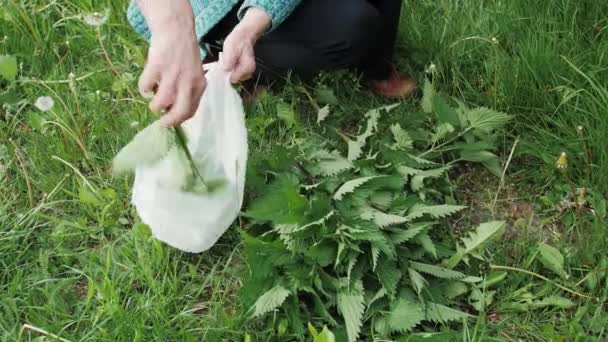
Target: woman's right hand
(173, 75)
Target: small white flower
(134, 124)
(431, 69)
(580, 128)
(71, 76)
(44, 103)
(96, 19)
(67, 42)
(494, 40)
(98, 92)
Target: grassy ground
(74, 261)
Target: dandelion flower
(96, 19)
(44, 103)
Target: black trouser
(325, 35)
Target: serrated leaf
(8, 67)
(379, 295)
(427, 244)
(421, 161)
(148, 146)
(486, 120)
(384, 220)
(329, 163)
(281, 203)
(402, 138)
(286, 113)
(350, 186)
(389, 275)
(405, 314)
(442, 314)
(455, 289)
(351, 306)
(417, 280)
(417, 181)
(428, 93)
(270, 300)
(445, 113)
(437, 271)
(355, 147)
(435, 211)
(485, 233)
(441, 132)
(322, 114)
(552, 259)
(405, 235)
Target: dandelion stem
(182, 143)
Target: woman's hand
(173, 74)
(238, 56)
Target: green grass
(75, 262)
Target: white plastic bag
(217, 140)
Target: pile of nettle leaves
(351, 232)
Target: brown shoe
(397, 86)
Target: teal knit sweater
(207, 13)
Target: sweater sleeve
(278, 10)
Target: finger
(181, 110)
(165, 96)
(229, 56)
(149, 80)
(243, 71)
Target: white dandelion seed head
(44, 103)
(96, 19)
(580, 128)
(494, 40)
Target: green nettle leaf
(427, 244)
(8, 67)
(417, 182)
(355, 147)
(148, 146)
(402, 138)
(486, 120)
(442, 314)
(445, 113)
(437, 271)
(552, 259)
(384, 220)
(351, 306)
(389, 276)
(455, 289)
(442, 131)
(281, 204)
(270, 300)
(350, 186)
(418, 281)
(401, 236)
(428, 93)
(286, 113)
(329, 163)
(477, 239)
(405, 314)
(477, 156)
(322, 114)
(435, 211)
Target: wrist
(168, 16)
(254, 23)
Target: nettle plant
(350, 235)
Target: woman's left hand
(238, 55)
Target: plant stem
(515, 269)
(182, 143)
(449, 141)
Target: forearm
(161, 14)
